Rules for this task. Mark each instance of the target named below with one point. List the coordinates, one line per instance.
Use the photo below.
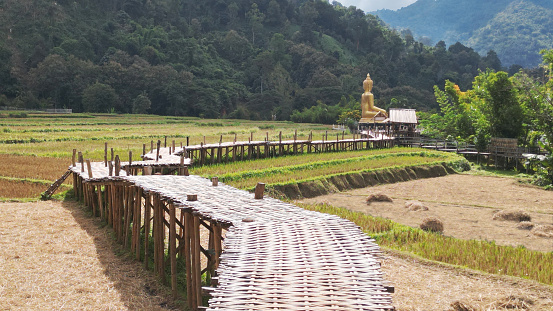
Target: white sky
(373, 5)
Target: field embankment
(317, 174)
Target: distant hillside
(215, 58)
(515, 29)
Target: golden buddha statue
(368, 109)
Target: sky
(373, 5)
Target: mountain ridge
(515, 29)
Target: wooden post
(165, 143)
(137, 221)
(105, 154)
(197, 268)
(173, 145)
(157, 152)
(89, 168)
(110, 168)
(187, 259)
(117, 165)
(81, 160)
(73, 160)
(143, 150)
(147, 222)
(130, 157)
(100, 202)
(151, 146)
(181, 169)
(173, 248)
(147, 170)
(215, 181)
(217, 244)
(187, 141)
(112, 154)
(259, 189)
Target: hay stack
(414, 206)
(544, 231)
(378, 198)
(512, 215)
(513, 302)
(461, 306)
(432, 224)
(525, 225)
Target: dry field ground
(53, 256)
(465, 204)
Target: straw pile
(379, 197)
(512, 216)
(525, 225)
(414, 206)
(432, 224)
(544, 231)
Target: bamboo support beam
(173, 248)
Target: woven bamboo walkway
(271, 255)
(276, 255)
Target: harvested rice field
(464, 203)
(54, 256)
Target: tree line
(217, 58)
(498, 105)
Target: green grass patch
(287, 170)
(474, 254)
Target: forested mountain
(515, 29)
(215, 58)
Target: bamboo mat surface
(99, 171)
(165, 159)
(280, 256)
(307, 265)
(276, 256)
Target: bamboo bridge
(232, 249)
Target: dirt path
(54, 257)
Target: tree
(99, 97)
(141, 104)
(499, 104)
(255, 19)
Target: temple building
(376, 122)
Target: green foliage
(515, 29)
(99, 97)
(214, 59)
(141, 104)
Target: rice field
(40, 146)
(247, 179)
(474, 254)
